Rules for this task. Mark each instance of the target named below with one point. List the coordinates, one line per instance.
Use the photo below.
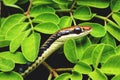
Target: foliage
(96, 55)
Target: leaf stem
(50, 69)
(106, 19)
(30, 21)
(88, 78)
(73, 5)
(27, 13)
(109, 14)
(74, 22)
(64, 69)
(100, 17)
(50, 77)
(29, 7)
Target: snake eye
(77, 30)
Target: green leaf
(10, 22)
(70, 51)
(63, 6)
(75, 76)
(30, 46)
(97, 29)
(108, 39)
(112, 65)
(2, 20)
(6, 64)
(61, 1)
(83, 13)
(115, 5)
(47, 17)
(94, 40)
(16, 57)
(68, 76)
(15, 31)
(47, 28)
(114, 31)
(37, 10)
(11, 3)
(94, 3)
(82, 68)
(2, 37)
(63, 76)
(97, 75)
(10, 76)
(101, 53)
(87, 55)
(81, 44)
(116, 17)
(4, 43)
(116, 77)
(16, 42)
(98, 54)
(107, 52)
(65, 21)
(22, 1)
(42, 2)
(118, 50)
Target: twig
(106, 19)
(73, 5)
(74, 22)
(50, 69)
(29, 7)
(64, 69)
(50, 77)
(109, 15)
(27, 13)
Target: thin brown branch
(64, 69)
(50, 69)
(29, 7)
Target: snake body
(55, 41)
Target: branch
(50, 69)
(29, 7)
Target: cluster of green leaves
(94, 55)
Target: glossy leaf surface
(108, 39)
(112, 65)
(33, 42)
(6, 64)
(47, 28)
(114, 31)
(65, 21)
(15, 57)
(83, 13)
(47, 17)
(37, 10)
(115, 5)
(10, 22)
(70, 51)
(10, 76)
(82, 68)
(97, 75)
(94, 3)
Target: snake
(55, 41)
